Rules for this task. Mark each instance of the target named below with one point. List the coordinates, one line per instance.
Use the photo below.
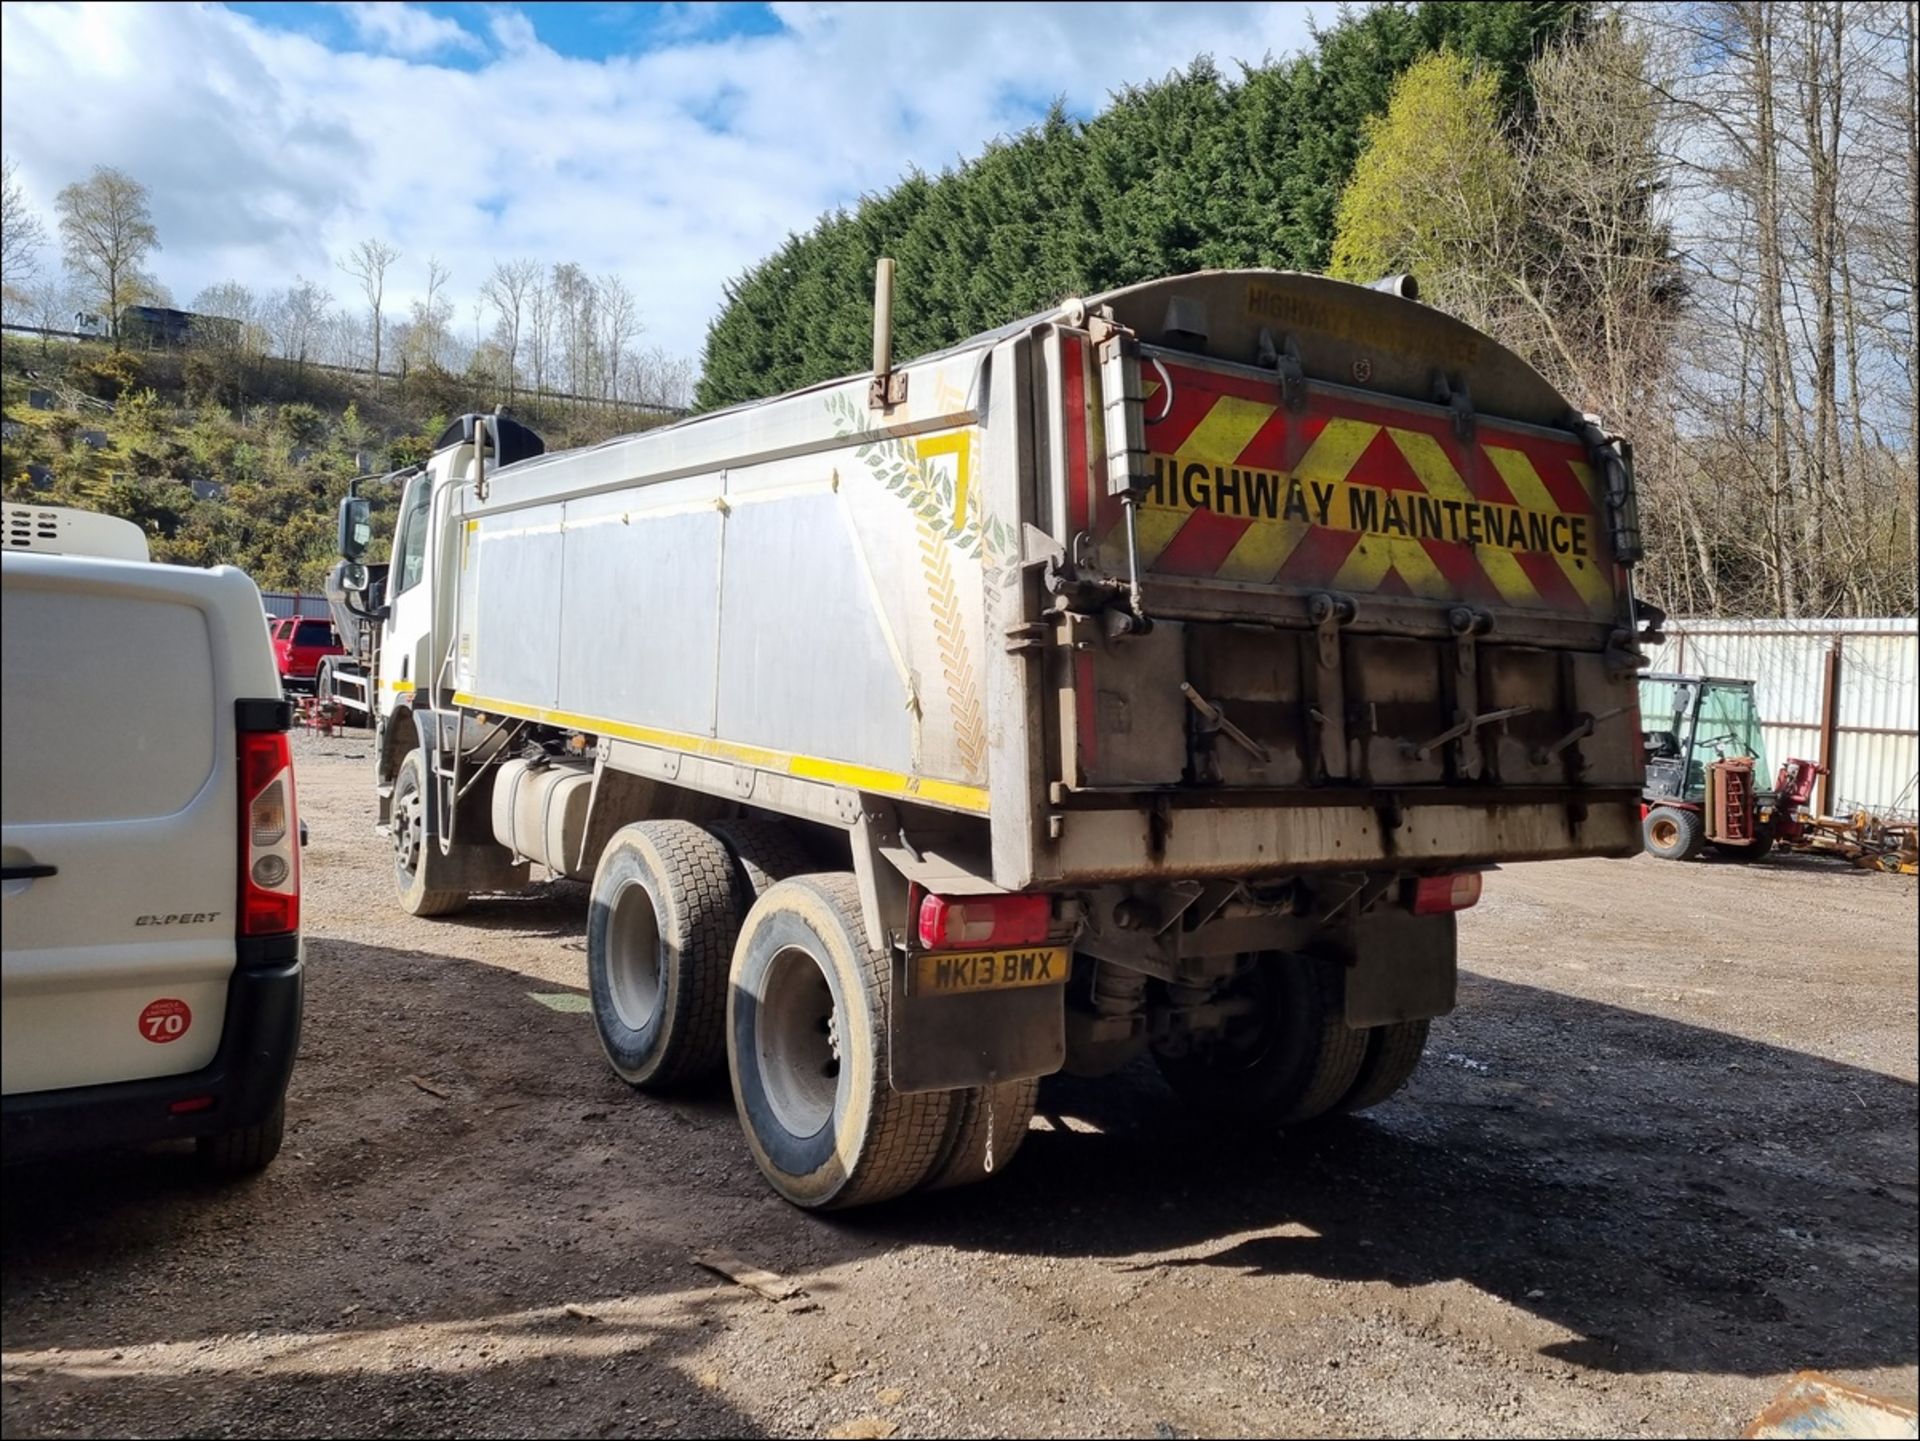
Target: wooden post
(1829, 718)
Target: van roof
(60, 530)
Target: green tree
(106, 231)
(1435, 190)
(1197, 169)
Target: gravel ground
(1663, 1155)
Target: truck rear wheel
(1287, 1057)
(985, 1132)
(764, 853)
(417, 860)
(660, 929)
(1747, 851)
(807, 1047)
(1673, 834)
(1393, 1055)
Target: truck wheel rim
(633, 956)
(407, 828)
(799, 1043)
(1665, 833)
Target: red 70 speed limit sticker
(165, 1020)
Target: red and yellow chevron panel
(1352, 495)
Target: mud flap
(939, 1043)
(1400, 967)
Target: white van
(150, 952)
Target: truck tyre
(661, 925)
(1673, 834)
(1291, 1058)
(1393, 1055)
(764, 852)
(323, 680)
(245, 1149)
(807, 1048)
(416, 860)
(963, 1156)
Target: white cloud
(268, 154)
(404, 29)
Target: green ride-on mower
(1703, 745)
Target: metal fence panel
(1875, 710)
(283, 603)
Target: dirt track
(1663, 1155)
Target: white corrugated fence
(1844, 692)
(283, 603)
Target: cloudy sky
(673, 144)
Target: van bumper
(244, 1082)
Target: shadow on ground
(1676, 1198)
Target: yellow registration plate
(938, 973)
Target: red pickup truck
(299, 643)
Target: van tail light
(1436, 895)
(269, 836)
(953, 923)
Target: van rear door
(118, 813)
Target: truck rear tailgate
(1363, 496)
(1378, 631)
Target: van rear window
(110, 706)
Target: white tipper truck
(1159, 674)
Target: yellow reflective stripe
(1531, 491)
(1259, 554)
(1153, 532)
(813, 768)
(1336, 450)
(1218, 442)
(1430, 464)
(1229, 428)
(1369, 561)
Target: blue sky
(672, 145)
(580, 31)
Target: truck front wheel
(417, 861)
(1285, 1053)
(807, 1047)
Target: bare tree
(619, 319)
(231, 300)
(509, 289)
(106, 231)
(21, 236)
(368, 263)
(541, 315)
(1792, 128)
(430, 317)
(49, 305)
(573, 303)
(298, 316)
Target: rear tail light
(950, 923)
(269, 853)
(1436, 895)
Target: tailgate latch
(1328, 612)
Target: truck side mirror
(356, 527)
(353, 577)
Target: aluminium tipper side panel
(811, 600)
